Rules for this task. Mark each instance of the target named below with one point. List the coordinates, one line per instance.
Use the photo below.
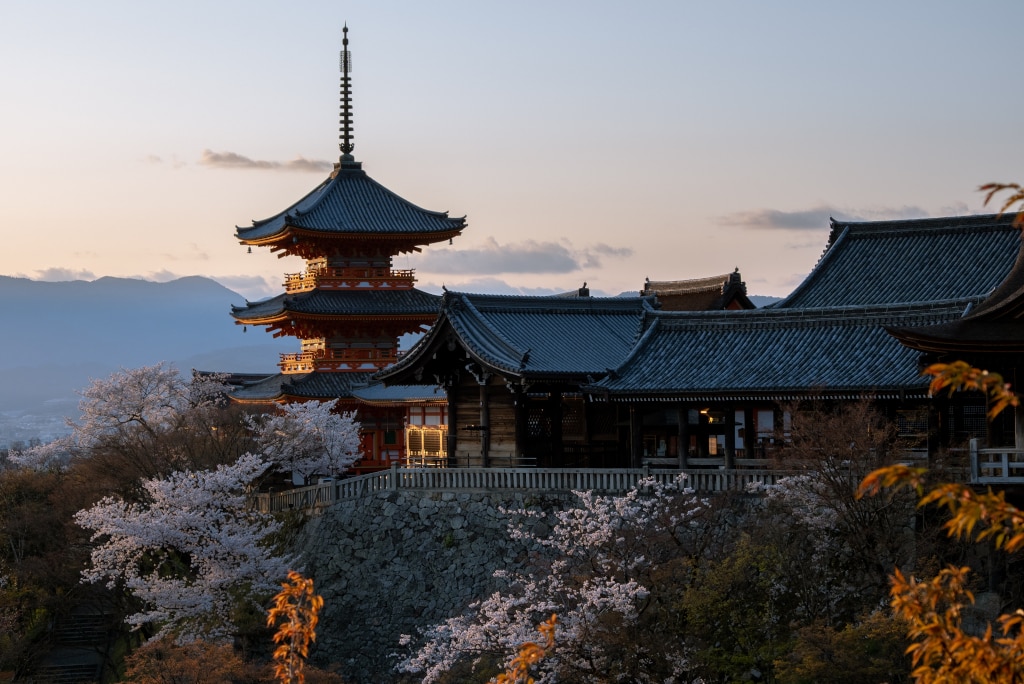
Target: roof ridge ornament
(346, 146)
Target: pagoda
(349, 306)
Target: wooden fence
(996, 466)
(605, 480)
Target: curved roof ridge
(256, 223)
(643, 336)
(816, 269)
(499, 342)
(872, 314)
(932, 222)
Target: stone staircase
(80, 641)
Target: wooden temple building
(619, 382)
(724, 292)
(349, 305)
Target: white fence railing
(609, 480)
(996, 466)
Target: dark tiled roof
(535, 336)
(351, 202)
(342, 302)
(323, 386)
(923, 260)
(994, 325)
(776, 353)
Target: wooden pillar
(521, 417)
(749, 433)
(730, 437)
(1019, 427)
(485, 423)
(682, 435)
(557, 456)
(453, 425)
(636, 446)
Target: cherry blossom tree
(308, 438)
(149, 422)
(596, 576)
(190, 551)
(48, 457)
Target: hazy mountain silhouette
(60, 335)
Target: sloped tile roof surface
(352, 202)
(923, 260)
(549, 336)
(994, 325)
(323, 386)
(354, 302)
(774, 352)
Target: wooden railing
(996, 466)
(335, 359)
(346, 278)
(606, 480)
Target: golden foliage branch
(295, 613)
(1016, 197)
(530, 653)
(960, 375)
(942, 651)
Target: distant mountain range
(59, 336)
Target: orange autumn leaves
(295, 613)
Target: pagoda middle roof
(529, 336)
(906, 261)
(342, 302)
(776, 354)
(350, 202)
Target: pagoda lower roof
(378, 394)
(329, 386)
(351, 302)
(322, 386)
(350, 203)
(776, 354)
(920, 260)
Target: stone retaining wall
(397, 561)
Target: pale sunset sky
(585, 140)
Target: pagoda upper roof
(900, 262)
(776, 354)
(350, 203)
(341, 302)
(530, 337)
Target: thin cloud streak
(233, 160)
(816, 218)
(529, 256)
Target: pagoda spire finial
(346, 136)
